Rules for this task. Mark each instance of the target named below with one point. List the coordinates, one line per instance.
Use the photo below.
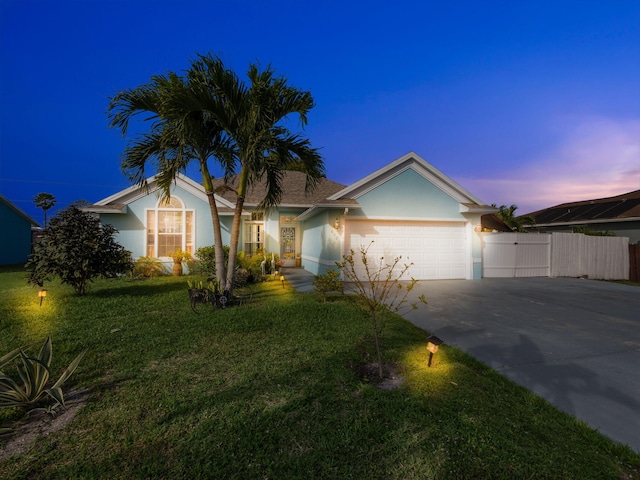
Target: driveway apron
(574, 342)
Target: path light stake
(282, 280)
(41, 294)
(433, 343)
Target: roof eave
(113, 208)
(473, 208)
(320, 207)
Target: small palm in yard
(34, 374)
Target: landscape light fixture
(433, 343)
(41, 294)
(282, 280)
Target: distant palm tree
(516, 223)
(177, 136)
(45, 201)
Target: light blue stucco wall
(16, 239)
(131, 226)
(408, 195)
(321, 243)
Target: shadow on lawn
(138, 289)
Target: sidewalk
(299, 278)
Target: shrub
(205, 261)
(76, 248)
(34, 375)
(329, 282)
(149, 267)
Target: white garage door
(436, 249)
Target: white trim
(481, 209)
(408, 219)
(426, 170)
(136, 192)
(156, 210)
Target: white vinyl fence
(555, 255)
(516, 255)
(576, 255)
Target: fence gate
(516, 255)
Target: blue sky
(530, 102)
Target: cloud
(596, 157)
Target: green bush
(253, 263)
(204, 262)
(34, 375)
(327, 283)
(77, 248)
(149, 267)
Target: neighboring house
(406, 208)
(16, 241)
(619, 215)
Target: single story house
(16, 242)
(619, 215)
(406, 208)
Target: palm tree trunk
(233, 247)
(235, 229)
(217, 230)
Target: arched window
(169, 228)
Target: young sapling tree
(379, 289)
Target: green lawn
(268, 390)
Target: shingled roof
(293, 191)
(625, 206)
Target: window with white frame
(254, 234)
(169, 228)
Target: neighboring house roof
(17, 210)
(621, 208)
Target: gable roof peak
(418, 164)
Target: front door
(288, 245)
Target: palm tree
(516, 223)
(211, 113)
(253, 120)
(45, 201)
(170, 145)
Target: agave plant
(34, 374)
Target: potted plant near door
(178, 257)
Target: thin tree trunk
(217, 230)
(376, 335)
(235, 230)
(233, 247)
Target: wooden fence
(555, 255)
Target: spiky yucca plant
(34, 374)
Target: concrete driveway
(574, 342)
